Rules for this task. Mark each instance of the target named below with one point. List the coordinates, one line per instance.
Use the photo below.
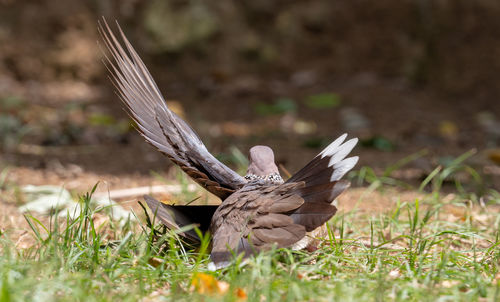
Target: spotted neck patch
(273, 177)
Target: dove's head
(262, 165)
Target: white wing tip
(333, 145)
(342, 167)
(340, 152)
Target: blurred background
(406, 76)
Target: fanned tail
(322, 183)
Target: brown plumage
(258, 210)
(160, 126)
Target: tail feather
(331, 159)
(323, 193)
(319, 159)
(313, 214)
(342, 167)
(329, 165)
(322, 183)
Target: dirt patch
(14, 226)
(373, 202)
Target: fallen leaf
(222, 287)
(208, 284)
(155, 261)
(241, 294)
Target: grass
(414, 251)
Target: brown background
(412, 74)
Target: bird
(258, 211)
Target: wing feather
(157, 123)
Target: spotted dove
(257, 211)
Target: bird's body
(258, 211)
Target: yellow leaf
(207, 284)
(241, 294)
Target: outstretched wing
(176, 217)
(158, 124)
